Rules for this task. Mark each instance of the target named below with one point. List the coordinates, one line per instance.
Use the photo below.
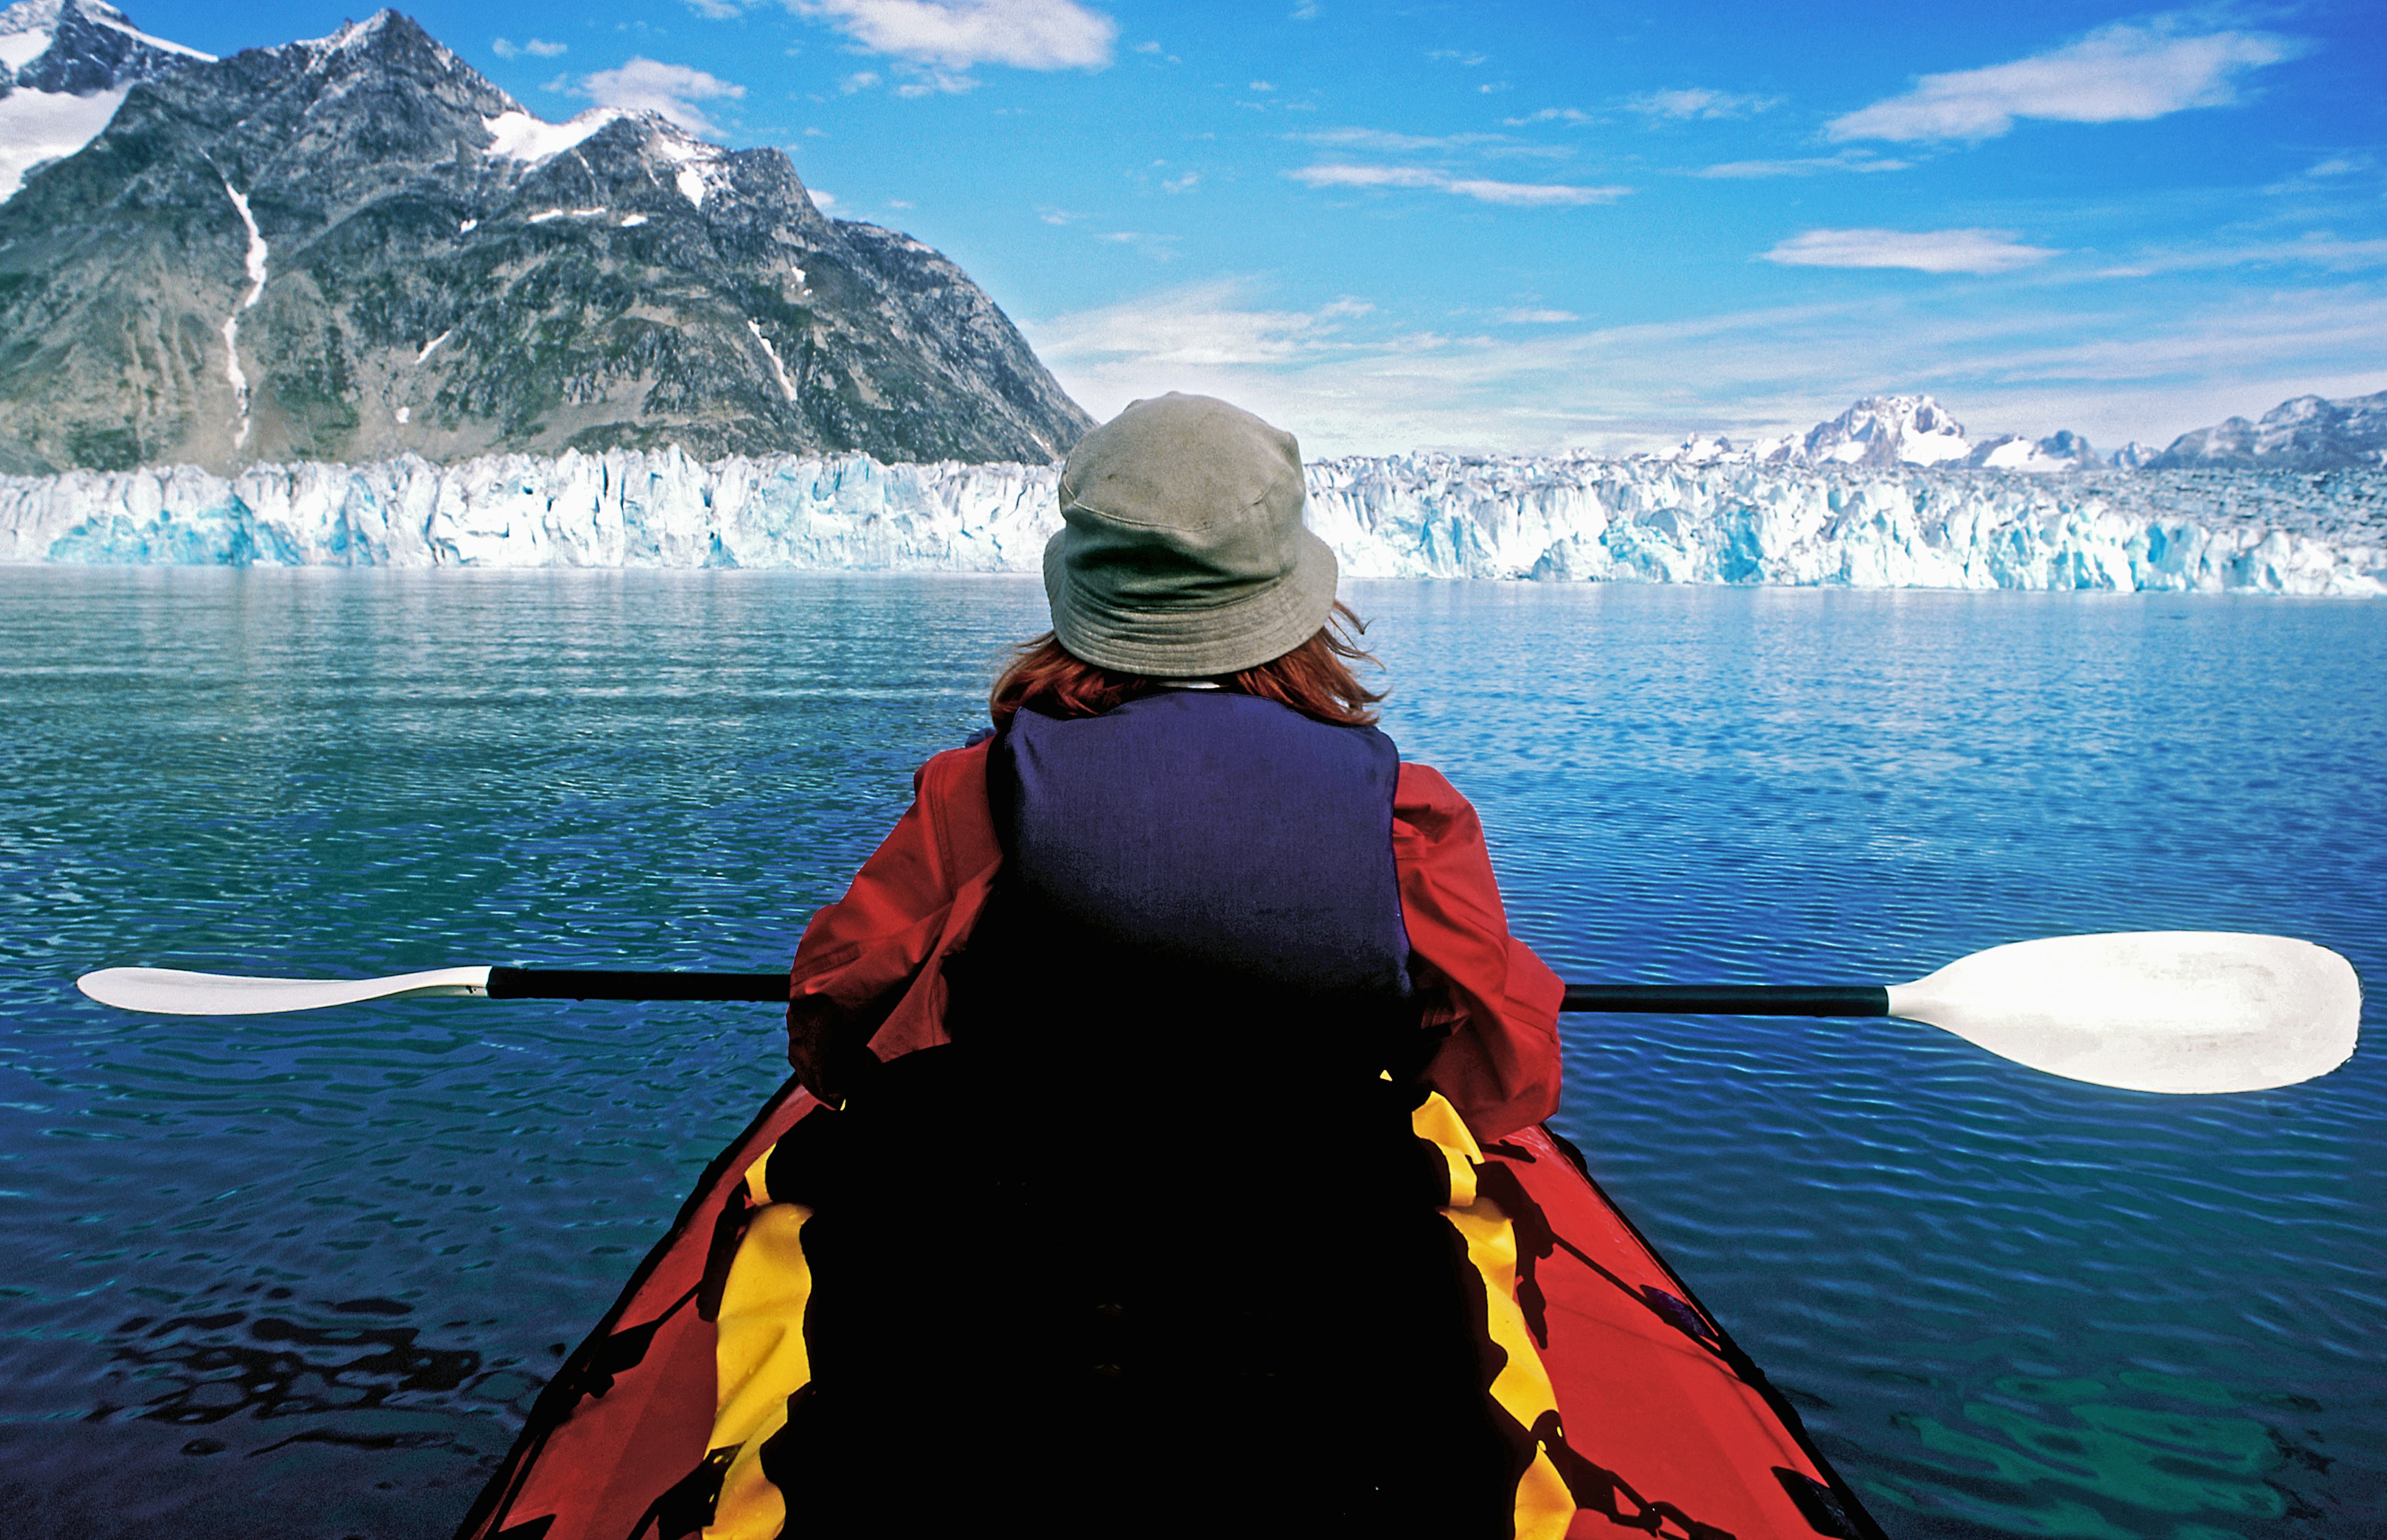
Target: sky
(1539, 226)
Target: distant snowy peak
(1887, 430)
(2306, 433)
(1893, 431)
(65, 66)
(2066, 450)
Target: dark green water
(299, 1275)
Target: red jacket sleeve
(862, 980)
(1500, 1067)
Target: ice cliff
(1641, 519)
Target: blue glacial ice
(1642, 519)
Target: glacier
(1568, 518)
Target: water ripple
(334, 1255)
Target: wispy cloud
(537, 47)
(1814, 165)
(650, 86)
(1538, 317)
(1516, 195)
(2321, 251)
(958, 34)
(1160, 248)
(1347, 382)
(1978, 251)
(2123, 73)
(1700, 102)
(1199, 325)
(1574, 117)
(1385, 139)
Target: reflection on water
(303, 1275)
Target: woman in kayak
(1124, 1224)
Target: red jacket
(870, 967)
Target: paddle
(2180, 1011)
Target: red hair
(1315, 678)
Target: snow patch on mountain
(1640, 519)
(65, 66)
(256, 261)
(516, 135)
(37, 126)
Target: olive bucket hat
(1182, 553)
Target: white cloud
(1147, 48)
(648, 85)
(1699, 102)
(1204, 325)
(2321, 251)
(2123, 370)
(2122, 73)
(1574, 117)
(716, 10)
(861, 80)
(957, 34)
(1922, 250)
(1385, 139)
(1538, 318)
(1846, 160)
(1160, 248)
(1519, 195)
(822, 201)
(537, 47)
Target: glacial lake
(301, 1276)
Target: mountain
(68, 65)
(355, 247)
(1887, 430)
(1897, 430)
(2060, 450)
(2304, 433)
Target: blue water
(301, 1275)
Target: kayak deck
(1668, 1428)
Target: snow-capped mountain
(357, 247)
(65, 66)
(2303, 434)
(1896, 429)
(1887, 430)
(1640, 519)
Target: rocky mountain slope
(2303, 434)
(65, 66)
(354, 247)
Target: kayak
(1637, 1410)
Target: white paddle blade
(172, 991)
(2176, 1010)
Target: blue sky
(1532, 226)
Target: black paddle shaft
(634, 984)
(1615, 999)
(1728, 999)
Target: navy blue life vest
(1210, 840)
